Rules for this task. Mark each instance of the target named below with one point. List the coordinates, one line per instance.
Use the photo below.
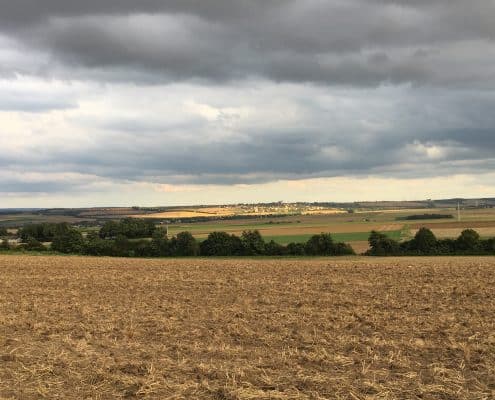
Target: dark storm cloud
(357, 43)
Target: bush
(273, 248)
(343, 249)
(445, 246)
(296, 249)
(489, 246)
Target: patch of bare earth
(358, 328)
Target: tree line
(139, 238)
(425, 243)
(131, 238)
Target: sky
(152, 102)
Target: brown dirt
(357, 328)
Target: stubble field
(357, 328)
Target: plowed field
(357, 328)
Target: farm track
(354, 328)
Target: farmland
(351, 328)
(351, 227)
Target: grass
(103, 328)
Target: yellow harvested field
(325, 212)
(201, 212)
(352, 328)
(230, 211)
(190, 213)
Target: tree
(273, 248)
(320, 245)
(44, 232)
(382, 245)
(71, 241)
(296, 249)
(468, 241)
(252, 243)
(160, 245)
(122, 247)
(220, 244)
(489, 246)
(3, 231)
(109, 230)
(185, 245)
(95, 246)
(131, 228)
(424, 242)
(343, 249)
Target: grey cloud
(46, 186)
(167, 158)
(422, 72)
(27, 102)
(356, 43)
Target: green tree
(468, 241)
(160, 245)
(44, 232)
(109, 230)
(490, 246)
(320, 245)
(382, 245)
(185, 245)
(71, 241)
(343, 249)
(252, 243)
(220, 244)
(424, 242)
(296, 249)
(273, 248)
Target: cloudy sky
(159, 102)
